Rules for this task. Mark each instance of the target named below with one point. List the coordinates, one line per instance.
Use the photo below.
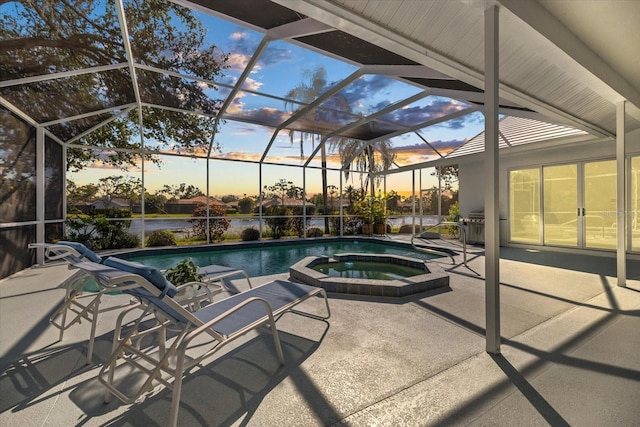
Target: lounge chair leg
(276, 339)
(64, 320)
(177, 389)
(94, 324)
(162, 342)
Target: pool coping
(433, 278)
(164, 250)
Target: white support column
(492, 182)
(621, 217)
(40, 190)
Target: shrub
(250, 234)
(314, 232)
(279, 223)
(408, 229)
(297, 223)
(125, 240)
(350, 225)
(186, 271)
(161, 238)
(217, 226)
(99, 230)
(454, 216)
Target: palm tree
(368, 158)
(307, 92)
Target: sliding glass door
(560, 220)
(524, 205)
(600, 204)
(570, 205)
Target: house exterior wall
(471, 170)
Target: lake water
(237, 225)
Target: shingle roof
(516, 131)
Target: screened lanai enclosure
(176, 112)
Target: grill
(475, 227)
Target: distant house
(405, 206)
(187, 206)
(234, 205)
(288, 202)
(106, 203)
(103, 203)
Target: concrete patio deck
(570, 356)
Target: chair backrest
(84, 252)
(155, 278)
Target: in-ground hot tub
(390, 275)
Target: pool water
(273, 259)
(367, 270)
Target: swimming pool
(270, 258)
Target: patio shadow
(225, 391)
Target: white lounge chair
(70, 252)
(213, 273)
(218, 323)
(83, 295)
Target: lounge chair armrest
(50, 249)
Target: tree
(118, 186)
(44, 37)
(447, 175)
(229, 198)
(353, 195)
(368, 158)
(306, 92)
(282, 187)
(317, 199)
(246, 205)
(181, 191)
(392, 201)
(154, 203)
(277, 218)
(430, 201)
(333, 192)
(79, 194)
(218, 225)
(295, 192)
